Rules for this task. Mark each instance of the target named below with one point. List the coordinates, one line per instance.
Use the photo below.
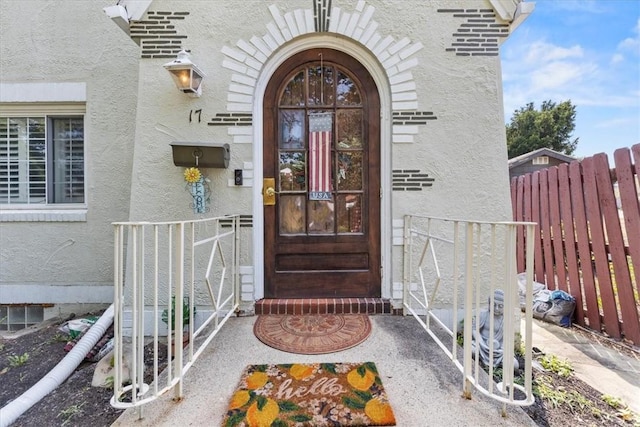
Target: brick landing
(325, 306)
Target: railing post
(118, 248)
(179, 298)
(531, 229)
(468, 311)
(236, 260)
(406, 276)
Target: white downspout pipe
(59, 373)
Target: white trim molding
(43, 92)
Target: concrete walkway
(423, 386)
(603, 367)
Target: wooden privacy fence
(587, 241)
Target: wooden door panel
(317, 284)
(322, 262)
(322, 148)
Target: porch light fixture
(186, 75)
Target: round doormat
(312, 333)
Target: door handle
(269, 192)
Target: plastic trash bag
(522, 289)
(554, 307)
(75, 327)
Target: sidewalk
(603, 367)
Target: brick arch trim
(397, 57)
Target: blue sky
(586, 51)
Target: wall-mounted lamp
(186, 75)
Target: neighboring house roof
(526, 157)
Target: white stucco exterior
(134, 112)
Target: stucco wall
(459, 150)
(62, 41)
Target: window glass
(292, 129)
(321, 86)
(293, 93)
(321, 217)
(349, 128)
(291, 214)
(41, 160)
(292, 171)
(347, 90)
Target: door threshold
(325, 306)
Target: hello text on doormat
(344, 394)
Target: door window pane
(347, 91)
(349, 213)
(321, 86)
(321, 217)
(292, 171)
(293, 94)
(349, 128)
(291, 214)
(350, 170)
(292, 129)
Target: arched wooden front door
(322, 154)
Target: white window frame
(38, 100)
(540, 160)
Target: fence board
(594, 216)
(584, 250)
(545, 225)
(514, 195)
(622, 275)
(527, 207)
(535, 217)
(630, 202)
(519, 205)
(566, 213)
(556, 231)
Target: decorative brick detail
(245, 221)
(322, 15)
(410, 180)
(413, 117)
(479, 34)
(325, 306)
(405, 124)
(157, 36)
(232, 119)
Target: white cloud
(541, 51)
(614, 123)
(632, 44)
(617, 58)
(559, 74)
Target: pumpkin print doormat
(320, 394)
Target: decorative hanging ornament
(198, 186)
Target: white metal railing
(451, 272)
(193, 262)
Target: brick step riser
(325, 306)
